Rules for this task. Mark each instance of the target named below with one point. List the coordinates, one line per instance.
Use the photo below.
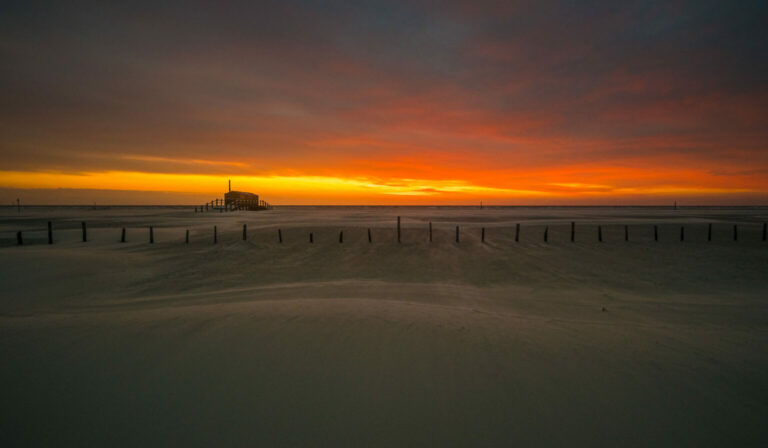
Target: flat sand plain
(495, 343)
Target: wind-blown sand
(248, 343)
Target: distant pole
(280, 236)
(369, 235)
(573, 231)
(682, 233)
(215, 235)
(398, 229)
(482, 235)
(735, 232)
(310, 237)
(765, 228)
(186, 237)
(655, 233)
(122, 236)
(151, 235)
(546, 234)
(626, 233)
(19, 239)
(245, 232)
(517, 232)
(430, 231)
(600, 234)
(709, 232)
(18, 205)
(85, 238)
(457, 234)
(341, 236)
(50, 232)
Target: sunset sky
(368, 102)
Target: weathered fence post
(430, 231)
(310, 237)
(546, 234)
(341, 236)
(457, 234)
(398, 229)
(279, 236)
(245, 232)
(186, 237)
(50, 232)
(215, 235)
(573, 231)
(151, 235)
(19, 239)
(599, 234)
(85, 238)
(682, 233)
(482, 235)
(765, 228)
(655, 233)
(709, 232)
(626, 233)
(369, 235)
(735, 232)
(517, 232)
(122, 236)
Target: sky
(385, 102)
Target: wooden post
(457, 234)
(517, 232)
(546, 233)
(369, 235)
(215, 235)
(482, 235)
(85, 237)
(626, 233)
(186, 237)
(655, 233)
(50, 232)
(709, 232)
(280, 236)
(151, 235)
(682, 233)
(398, 229)
(19, 239)
(735, 232)
(599, 234)
(310, 237)
(122, 236)
(245, 232)
(765, 228)
(341, 236)
(573, 231)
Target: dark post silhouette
(655, 233)
(482, 235)
(457, 234)
(626, 233)
(682, 233)
(600, 234)
(50, 232)
(546, 234)
(85, 237)
(215, 235)
(18, 205)
(735, 232)
(398, 229)
(151, 235)
(122, 236)
(517, 232)
(709, 232)
(430, 231)
(279, 236)
(186, 237)
(341, 236)
(369, 235)
(19, 239)
(310, 237)
(573, 231)
(765, 229)
(245, 232)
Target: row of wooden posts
(20, 239)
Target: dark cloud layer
(327, 87)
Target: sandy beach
(494, 343)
